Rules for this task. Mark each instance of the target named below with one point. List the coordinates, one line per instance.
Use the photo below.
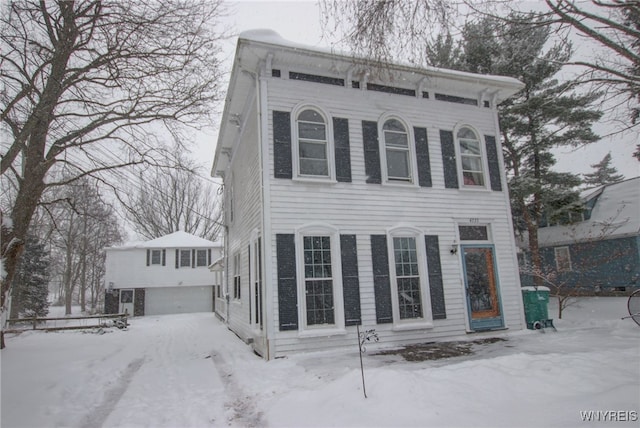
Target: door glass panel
(126, 296)
(480, 282)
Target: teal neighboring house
(599, 248)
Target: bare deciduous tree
(166, 200)
(82, 79)
(385, 29)
(79, 224)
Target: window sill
(318, 180)
(321, 332)
(474, 188)
(405, 184)
(422, 325)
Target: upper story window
(471, 158)
(313, 145)
(397, 151)
(201, 258)
(185, 258)
(156, 257)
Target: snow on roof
(615, 214)
(177, 239)
(270, 37)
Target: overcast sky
(300, 21)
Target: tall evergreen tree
(545, 115)
(31, 291)
(604, 173)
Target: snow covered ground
(190, 371)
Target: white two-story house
(362, 194)
(166, 275)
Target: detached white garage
(178, 300)
(167, 275)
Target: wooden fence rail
(91, 321)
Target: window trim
(197, 261)
(483, 159)
(152, 252)
(557, 250)
(180, 262)
(426, 321)
(382, 148)
(237, 277)
(304, 330)
(295, 144)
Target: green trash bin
(536, 307)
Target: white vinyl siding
(364, 209)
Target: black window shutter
(371, 152)
(287, 284)
(138, 302)
(282, 144)
(422, 156)
(148, 256)
(193, 258)
(177, 258)
(342, 151)
(350, 282)
(449, 160)
(209, 256)
(381, 284)
(435, 277)
(494, 163)
(164, 257)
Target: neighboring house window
(185, 258)
(407, 278)
(201, 258)
(397, 151)
(313, 145)
(563, 259)
(318, 280)
(236, 277)
(471, 160)
(156, 257)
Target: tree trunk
(83, 276)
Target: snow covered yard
(190, 371)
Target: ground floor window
(407, 277)
(318, 276)
(563, 259)
(236, 277)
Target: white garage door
(178, 300)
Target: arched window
(312, 143)
(470, 157)
(397, 152)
